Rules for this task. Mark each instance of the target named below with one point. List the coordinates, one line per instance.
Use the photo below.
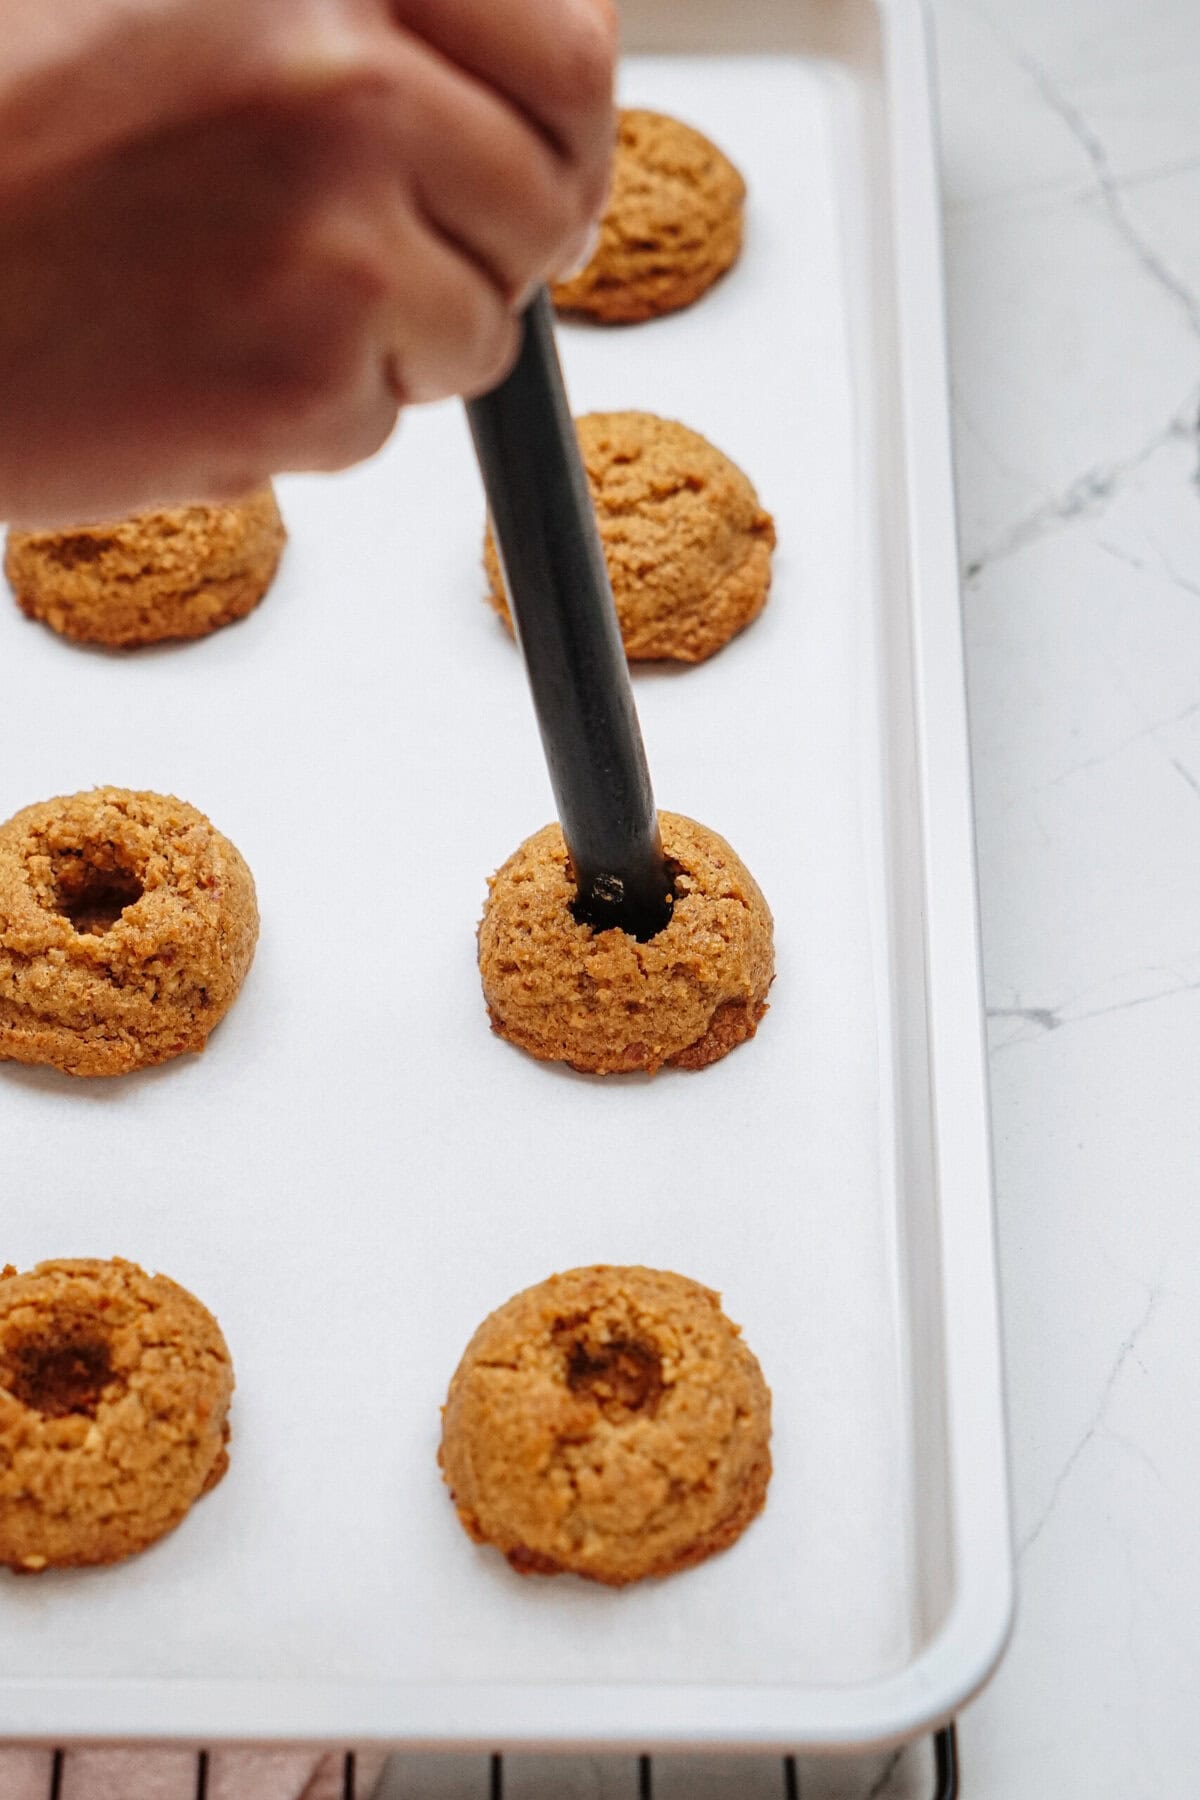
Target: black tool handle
(566, 625)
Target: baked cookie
(687, 544)
(600, 1000)
(672, 225)
(609, 1422)
(175, 574)
(127, 923)
(114, 1390)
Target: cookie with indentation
(601, 1000)
(182, 572)
(671, 228)
(610, 1422)
(127, 925)
(114, 1394)
(687, 544)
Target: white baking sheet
(356, 1170)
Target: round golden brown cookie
(175, 574)
(600, 1000)
(127, 924)
(114, 1390)
(672, 225)
(687, 544)
(609, 1422)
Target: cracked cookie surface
(672, 225)
(609, 1422)
(688, 546)
(178, 573)
(600, 1000)
(127, 924)
(114, 1391)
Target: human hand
(236, 235)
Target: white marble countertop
(1071, 136)
(1071, 145)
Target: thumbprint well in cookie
(610, 1423)
(603, 1001)
(114, 1391)
(127, 925)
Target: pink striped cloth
(171, 1775)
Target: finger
(553, 59)
(429, 320)
(447, 331)
(579, 254)
(388, 310)
(493, 188)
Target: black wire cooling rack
(945, 1758)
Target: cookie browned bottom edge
(749, 581)
(215, 1476)
(733, 1023)
(630, 303)
(239, 598)
(726, 1531)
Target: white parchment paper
(356, 1171)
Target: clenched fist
(236, 235)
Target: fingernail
(591, 245)
(527, 296)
